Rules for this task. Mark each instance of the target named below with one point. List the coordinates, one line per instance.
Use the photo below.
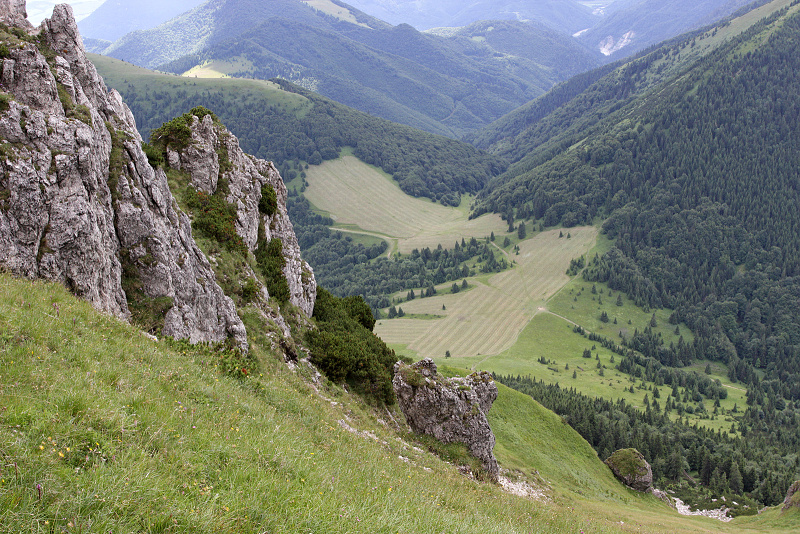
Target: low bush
(345, 349)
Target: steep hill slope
(115, 18)
(103, 429)
(215, 21)
(687, 154)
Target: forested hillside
(689, 155)
(293, 127)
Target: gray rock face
(792, 499)
(451, 410)
(79, 202)
(245, 177)
(14, 13)
(630, 467)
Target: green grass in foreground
(124, 434)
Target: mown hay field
(358, 195)
(488, 318)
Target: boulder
(630, 467)
(450, 410)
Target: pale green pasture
(357, 195)
(218, 69)
(488, 318)
(335, 10)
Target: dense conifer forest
(697, 180)
(760, 460)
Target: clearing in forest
(488, 318)
(362, 197)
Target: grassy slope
(488, 319)
(337, 187)
(126, 434)
(117, 72)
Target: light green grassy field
(102, 429)
(488, 319)
(362, 197)
(335, 10)
(217, 69)
(550, 335)
(117, 72)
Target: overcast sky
(38, 10)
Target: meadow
(103, 429)
(488, 319)
(337, 188)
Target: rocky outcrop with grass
(79, 202)
(201, 146)
(792, 499)
(451, 410)
(630, 467)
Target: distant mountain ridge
(444, 85)
(115, 18)
(567, 16)
(632, 25)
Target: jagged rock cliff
(213, 154)
(451, 410)
(13, 13)
(81, 204)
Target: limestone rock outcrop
(630, 467)
(451, 410)
(79, 202)
(213, 154)
(792, 499)
(14, 13)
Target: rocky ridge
(450, 410)
(792, 499)
(81, 204)
(14, 13)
